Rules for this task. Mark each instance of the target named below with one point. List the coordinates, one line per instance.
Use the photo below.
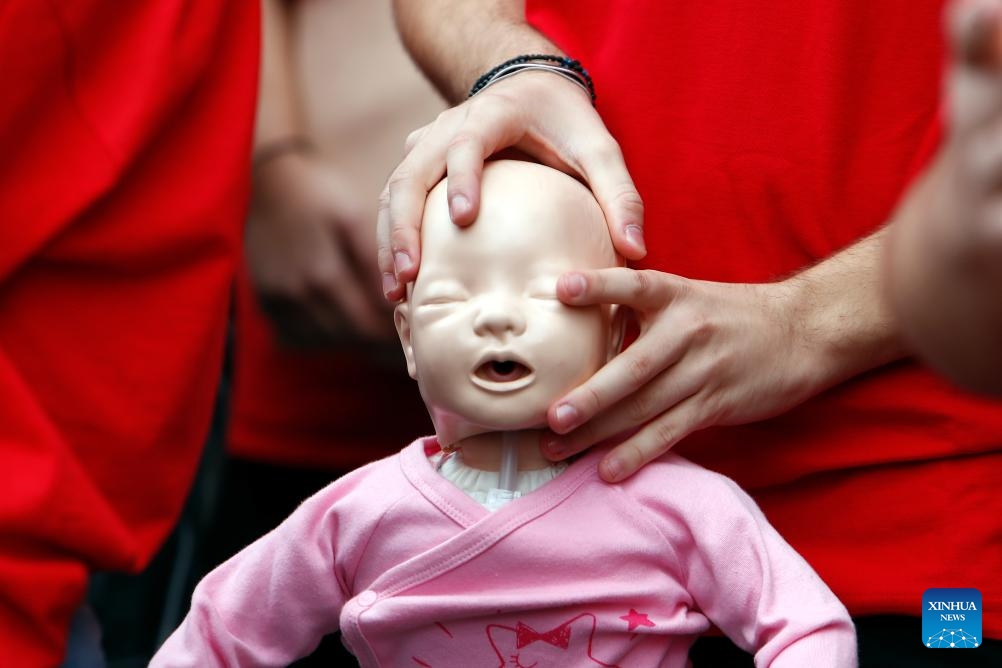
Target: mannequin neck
(483, 451)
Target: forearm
(279, 111)
(456, 41)
(944, 279)
(842, 312)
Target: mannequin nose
(499, 317)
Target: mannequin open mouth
(503, 374)
(502, 371)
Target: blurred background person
(319, 386)
(316, 383)
(126, 134)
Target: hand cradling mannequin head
(488, 342)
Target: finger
(643, 290)
(407, 192)
(623, 376)
(465, 166)
(408, 186)
(492, 123)
(604, 169)
(393, 290)
(653, 440)
(414, 138)
(658, 396)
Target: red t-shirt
(765, 137)
(126, 131)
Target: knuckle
(634, 455)
(638, 408)
(640, 368)
(384, 200)
(629, 201)
(713, 411)
(592, 400)
(603, 150)
(445, 116)
(701, 327)
(399, 238)
(462, 141)
(401, 178)
(641, 283)
(413, 138)
(664, 434)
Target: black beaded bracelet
(568, 67)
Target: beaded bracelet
(568, 68)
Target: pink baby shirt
(414, 572)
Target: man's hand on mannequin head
(539, 114)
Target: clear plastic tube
(508, 474)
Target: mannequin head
(488, 342)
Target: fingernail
(551, 445)
(401, 262)
(612, 469)
(389, 283)
(636, 236)
(566, 416)
(458, 205)
(575, 284)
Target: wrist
(559, 65)
(841, 323)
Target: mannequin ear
(400, 318)
(617, 330)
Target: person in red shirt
(126, 132)
(318, 385)
(315, 364)
(772, 144)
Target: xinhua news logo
(951, 618)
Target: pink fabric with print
(578, 573)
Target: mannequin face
(483, 332)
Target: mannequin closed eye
(443, 298)
(441, 292)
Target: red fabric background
(126, 130)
